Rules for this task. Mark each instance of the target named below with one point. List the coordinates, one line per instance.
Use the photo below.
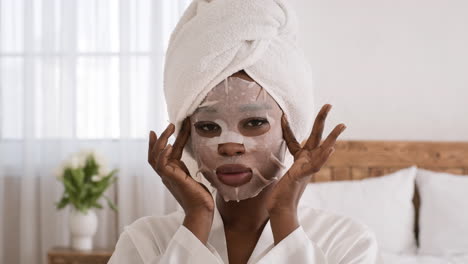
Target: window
(88, 69)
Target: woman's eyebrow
(242, 108)
(206, 109)
(254, 107)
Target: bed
(357, 160)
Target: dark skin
(244, 220)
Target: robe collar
(217, 240)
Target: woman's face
(237, 139)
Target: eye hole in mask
(253, 126)
(207, 129)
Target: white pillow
(385, 204)
(443, 214)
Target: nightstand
(61, 255)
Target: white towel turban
(217, 38)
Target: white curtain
(73, 75)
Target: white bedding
(390, 258)
(375, 202)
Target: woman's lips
(234, 174)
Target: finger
(204, 187)
(184, 167)
(331, 139)
(162, 141)
(316, 135)
(326, 156)
(330, 152)
(322, 160)
(289, 137)
(176, 170)
(152, 139)
(163, 159)
(181, 139)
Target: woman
(293, 236)
(239, 98)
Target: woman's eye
(207, 127)
(255, 122)
(252, 127)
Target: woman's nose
(231, 149)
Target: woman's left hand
(308, 160)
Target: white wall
(393, 70)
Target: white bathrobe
(322, 237)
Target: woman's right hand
(194, 197)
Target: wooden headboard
(355, 160)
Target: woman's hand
(194, 198)
(309, 159)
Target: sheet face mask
(241, 113)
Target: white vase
(82, 228)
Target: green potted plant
(85, 179)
